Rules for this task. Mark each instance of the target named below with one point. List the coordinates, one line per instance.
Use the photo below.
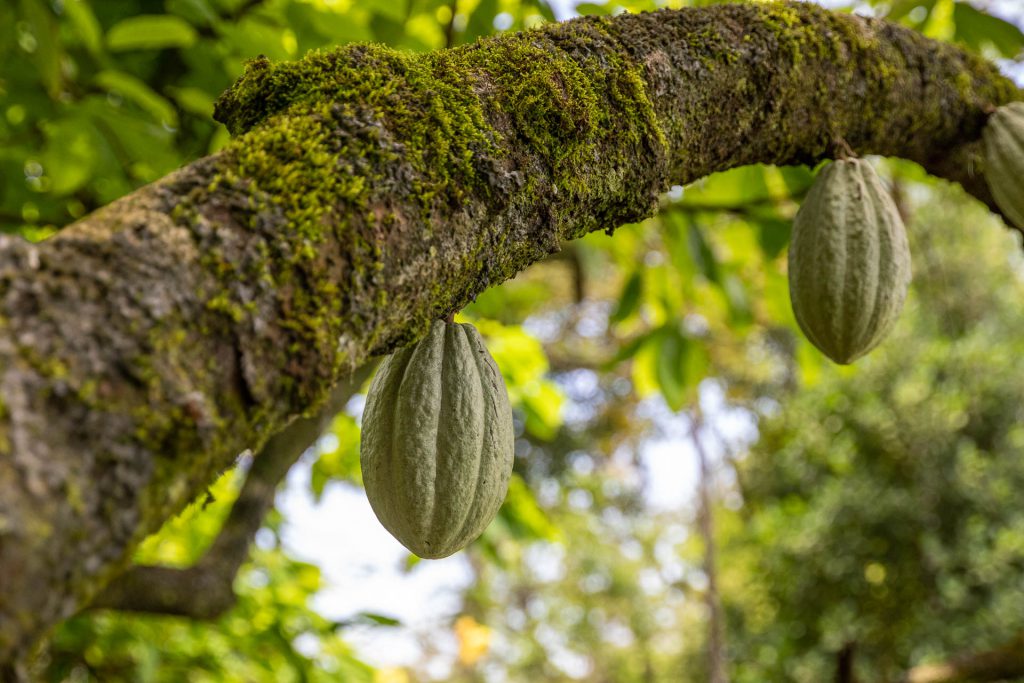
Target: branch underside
(368, 192)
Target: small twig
(845, 151)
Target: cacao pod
(1004, 159)
(437, 441)
(849, 262)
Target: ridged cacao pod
(1004, 159)
(849, 262)
(437, 441)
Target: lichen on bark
(368, 192)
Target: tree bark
(367, 192)
(1004, 663)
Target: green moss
(318, 139)
(224, 304)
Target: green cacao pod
(437, 441)
(1004, 159)
(849, 263)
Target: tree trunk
(716, 655)
(368, 192)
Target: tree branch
(368, 192)
(1003, 663)
(206, 590)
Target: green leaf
(541, 403)
(594, 9)
(978, 30)
(134, 90)
(378, 619)
(197, 12)
(48, 52)
(391, 9)
(735, 187)
(341, 463)
(671, 367)
(628, 350)
(151, 32)
(629, 301)
(87, 27)
(772, 235)
(523, 516)
(544, 8)
(739, 303)
(701, 253)
(71, 154)
(901, 8)
(797, 179)
(940, 21)
(193, 100)
(366, 619)
(481, 20)
(314, 24)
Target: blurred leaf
(524, 365)
(629, 301)
(977, 30)
(735, 187)
(940, 24)
(87, 28)
(183, 539)
(772, 234)
(739, 302)
(524, 518)
(314, 23)
(481, 20)
(797, 179)
(151, 32)
(628, 350)
(197, 12)
(47, 49)
(900, 8)
(369, 619)
(701, 253)
(594, 9)
(135, 90)
(541, 404)
(340, 463)
(396, 11)
(71, 154)
(194, 101)
(544, 9)
(671, 367)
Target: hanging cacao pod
(437, 441)
(849, 262)
(1004, 159)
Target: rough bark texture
(368, 192)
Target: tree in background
(881, 516)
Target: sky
(363, 564)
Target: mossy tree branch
(367, 192)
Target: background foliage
(872, 506)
